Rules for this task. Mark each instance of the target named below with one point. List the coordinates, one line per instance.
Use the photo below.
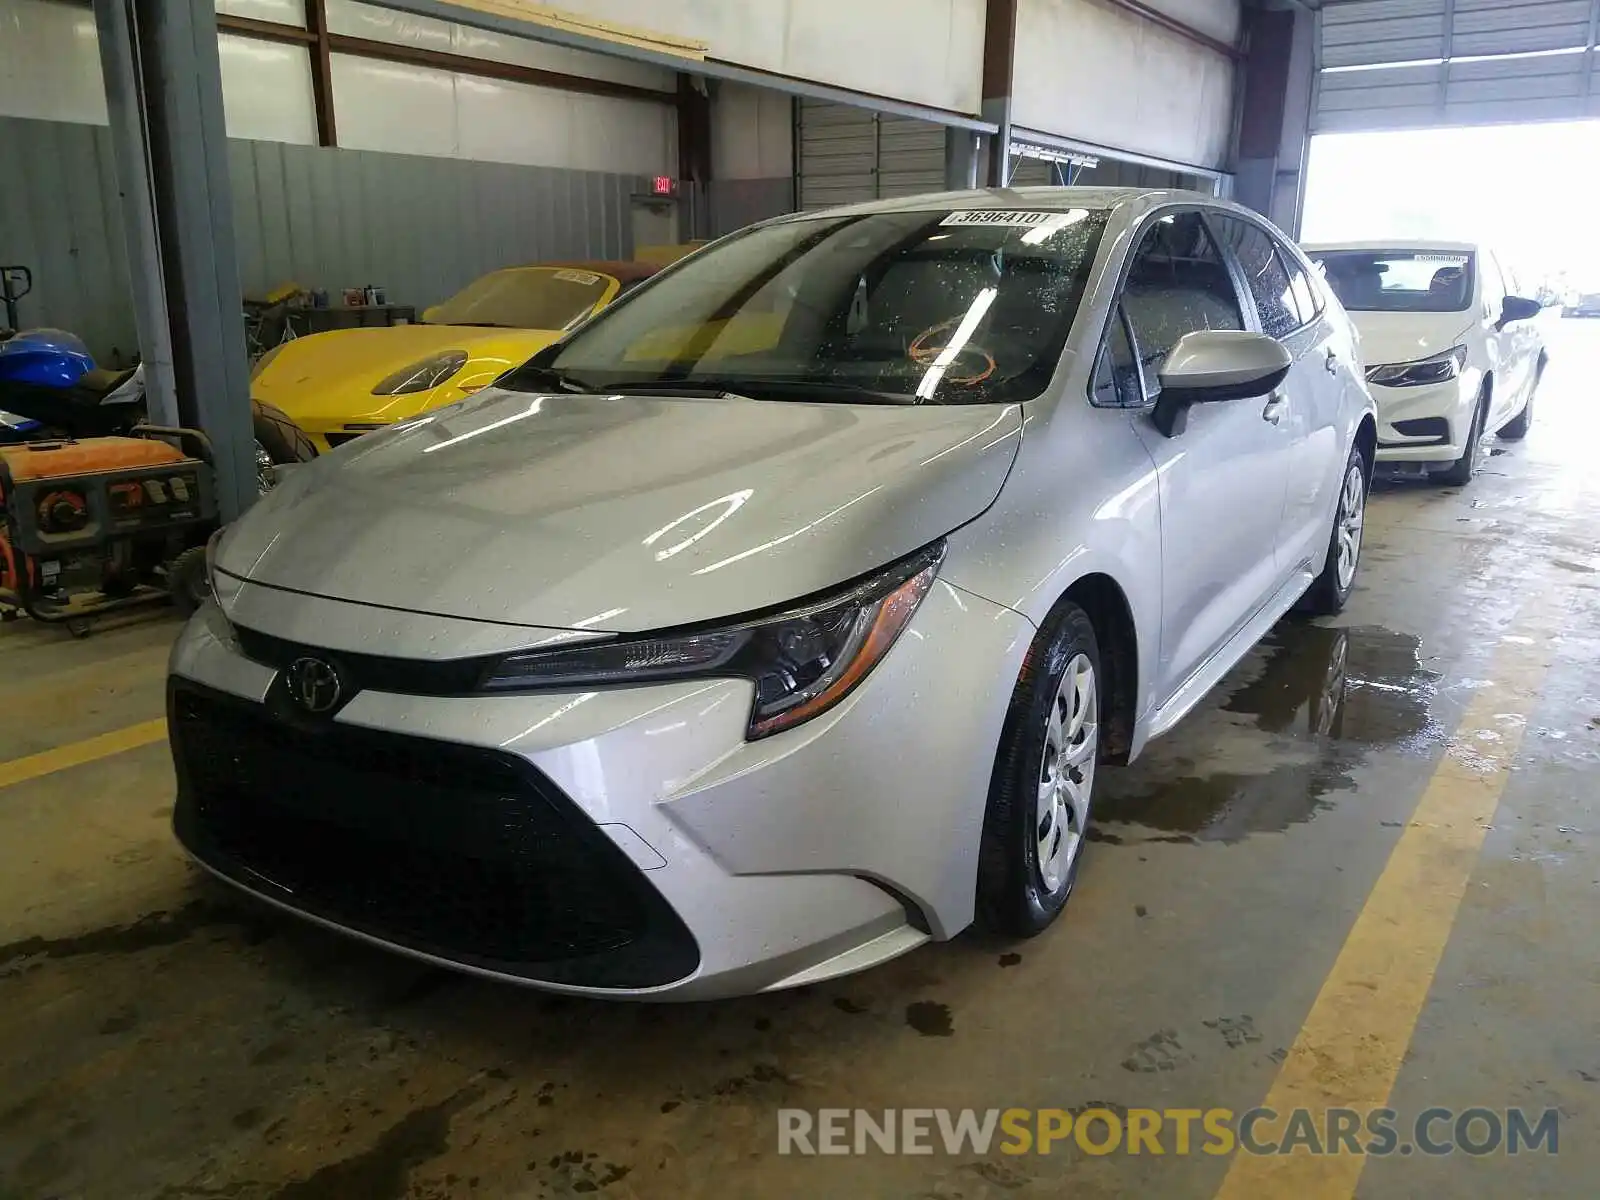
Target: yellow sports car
(341, 384)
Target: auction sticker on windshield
(585, 277)
(1004, 216)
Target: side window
(1177, 284)
(1306, 300)
(1268, 277)
(1116, 380)
(1494, 288)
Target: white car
(1452, 353)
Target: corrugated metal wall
(849, 155)
(1412, 64)
(419, 227)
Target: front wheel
(277, 434)
(1331, 589)
(1460, 472)
(1036, 825)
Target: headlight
(1437, 369)
(802, 661)
(424, 375)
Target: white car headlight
(422, 376)
(803, 660)
(1436, 369)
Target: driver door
(1222, 480)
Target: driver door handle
(1273, 412)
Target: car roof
(1396, 243)
(623, 271)
(1044, 199)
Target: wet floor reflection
(1278, 742)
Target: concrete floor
(160, 1038)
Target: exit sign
(663, 185)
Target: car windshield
(523, 298)
(962, 307)
(1398, 280)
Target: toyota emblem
(314, 685)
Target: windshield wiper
(531, 378)
(761, 388)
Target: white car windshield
(961, 307)
(1398, 280)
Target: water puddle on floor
(1277, 742)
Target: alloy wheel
(1352, 517)
(1066, 774)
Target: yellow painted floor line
(1350, 1049)
(75, 754)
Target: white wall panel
(50, 63)
(284, 12)
(50, 71)
(384, 25)
(1086, 70)
(752, 133)
(266, 90)
(923, 51)
(387, 106)
(1219, 18)
(418, 110)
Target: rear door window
(1265, 271)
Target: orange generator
(104, 523)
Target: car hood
(622, 513)
(326, 380)
(1398, 337)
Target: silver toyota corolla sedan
(778, 619)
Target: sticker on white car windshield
(586, 277)
(1458, 259)
(1003, 216)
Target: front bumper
(624, 842)
(1423, 424)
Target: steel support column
(164, 85)
(1274, 133)
(999, 65)
(960, 159)
(119, 63)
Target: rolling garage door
(849, 155)
(1398, 64)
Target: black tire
(186, 580)
(1460, 472)
(280, 437)
(1517, 428)
(1013, 895)
(1329, 593)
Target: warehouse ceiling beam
(420, 56)
(659, 54)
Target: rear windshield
(898, 307)
(1398, 280)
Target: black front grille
(410, 676)
(466, 854)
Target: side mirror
(1213, 365)
(429, 315)
(1518, 308)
